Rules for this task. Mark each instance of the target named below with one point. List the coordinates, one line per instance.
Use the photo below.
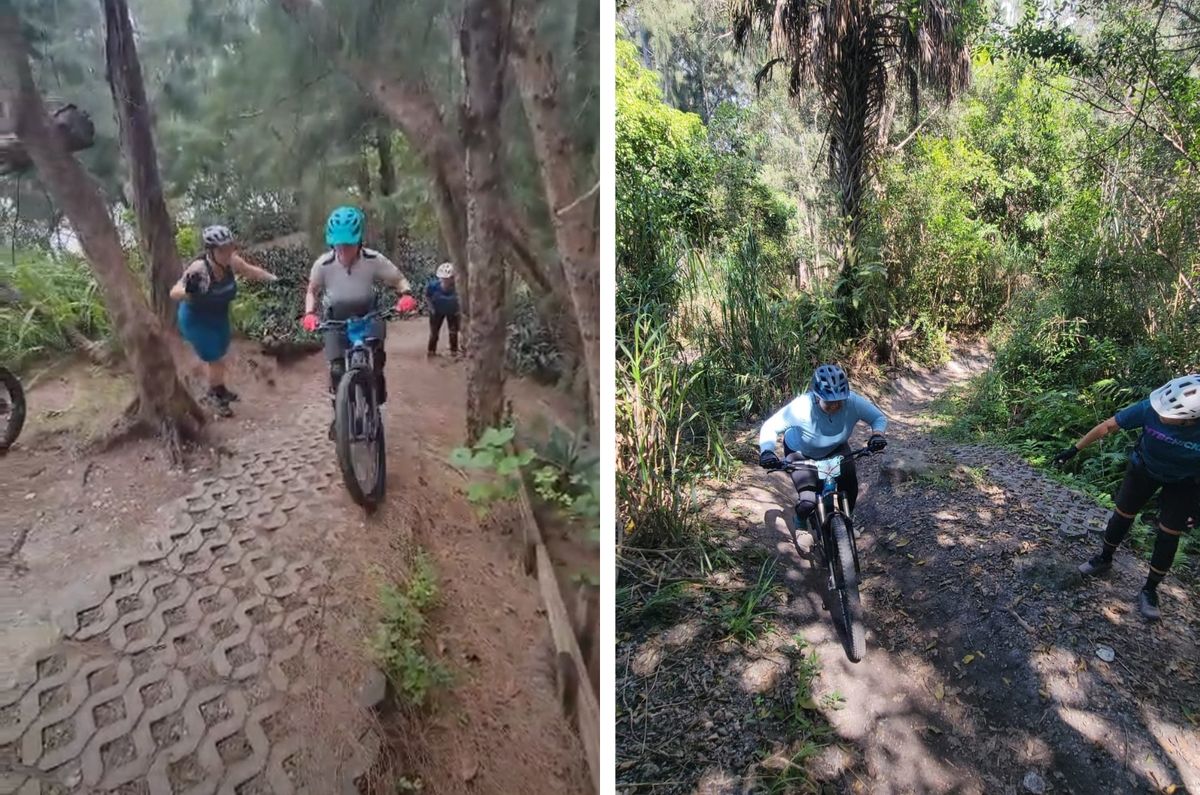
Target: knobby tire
(367, 495)
(847, 582)
(16, 415)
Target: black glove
(876, 443)
(1065, 456)
(191, 284)
(768, 460)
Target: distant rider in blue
(1166, 457)
(818, 425)
(205, 292)
(443, 307)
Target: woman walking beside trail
(1166, 458)
(443, 307)
(205, 292)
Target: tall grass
(763, 341)
(58, 293)
(663, 442)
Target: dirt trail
(204, 631)
(981, 672)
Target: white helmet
(445, 271)
(214, 236)
(1178, 399)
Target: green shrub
(56, 293)
(399, 640)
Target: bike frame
(830, 502)
(360, 353)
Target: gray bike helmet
(216, 236)
(829, 382)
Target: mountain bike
(358, 426)
(12, 409)
(831, 523)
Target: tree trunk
(856, 96)
(155, 230)
(573, 214)
(387, 165)
(914, 97)
(162, 401)
(363, 177)
(484, 42)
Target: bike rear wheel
(358, 437)
(846, 577)
(12, 409)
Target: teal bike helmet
(345, 227)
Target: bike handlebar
(381, 314)
(809, 463)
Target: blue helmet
(345, 227)
(829, 382)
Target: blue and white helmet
(829, 382)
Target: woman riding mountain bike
(817, 425)
(1166, 458)
(204, 292)
(346, 277)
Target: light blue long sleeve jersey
(814, 433)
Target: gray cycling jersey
(353, 288)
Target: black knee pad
(337, 368)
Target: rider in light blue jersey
(817, 425)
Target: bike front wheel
(846, 577)
(358, 437)
(12, 409)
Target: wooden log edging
(575, 689)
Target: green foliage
(664, 165)
(57, 293)
(675, 174)
(569, 476)
(664, 441)
(270, 312)
(493, 455)
(531, 347)
(187, 241)
(760, 344)
(744, 616)
(398, 642)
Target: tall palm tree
(852, 51)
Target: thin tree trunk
(484, 43)
(363, 177)
(155, 230)
(848, 145)
(914, 97)
(387, 164)
(162, 401)
(573, 214)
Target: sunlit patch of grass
(745, 614)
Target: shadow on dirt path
(981, 672)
